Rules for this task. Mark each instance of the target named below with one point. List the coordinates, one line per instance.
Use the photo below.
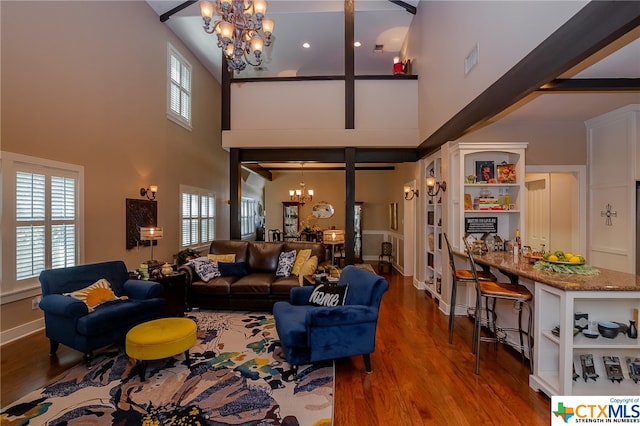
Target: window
(198, 217)
(42, 214)
(248, 217)
(179, 88)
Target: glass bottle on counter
(517, 246)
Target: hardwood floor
(418, 377)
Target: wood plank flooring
(418, 377)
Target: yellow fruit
(553, 258)
(575, 259)
(568, 255)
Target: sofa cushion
(239, 248)
(253, 284)
(206, 268)
(229, 257)
(317, 249)
(285, 263)
(217, 286)
(232, 269)
(282, 286)
(328, 295)
(302, 256)
(308, 268)
(118, 314)
(263, 256)
(96, 294)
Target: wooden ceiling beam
(595, 26)
(592, 85)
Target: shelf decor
(506, 173)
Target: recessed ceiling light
(306, 45)
(357, 44)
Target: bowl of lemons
(562, 258)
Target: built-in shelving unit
(477, 203)
(433, 231)
(555, 357)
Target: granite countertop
(606, 280)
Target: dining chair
(460, 275)
(493, 291)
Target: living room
(84, 85)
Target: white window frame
(248, 216)
(12, 289)
(182, 117)
(200, 244)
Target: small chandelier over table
(302, 195)
(242, 30)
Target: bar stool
(460, 275)
(492, 291)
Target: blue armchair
(311, 333)
(69, 321)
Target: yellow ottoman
(159, 339)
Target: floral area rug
(238, 376)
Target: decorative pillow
(232, 269)
(328, 295)
(96, 294)
(222, 257)
(308, 268)
(206, 268)
(285, 263)
(303, 256)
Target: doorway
(556, 208)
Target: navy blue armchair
(311, 333)
(69, 321)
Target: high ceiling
(384, 22)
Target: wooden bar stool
(460, 275)
(492, 291)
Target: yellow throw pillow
(308, 268)
(227, 258)
(96, 294)
(301, 257)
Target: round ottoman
(159, 339)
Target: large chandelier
(242, 30)
(303, 194)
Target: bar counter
(519, 266)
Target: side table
(174, 292)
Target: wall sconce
(433, 186)
(409, 193)
(152, 189)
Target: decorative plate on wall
(323, 210)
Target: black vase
(632, 332)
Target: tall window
(248, 217)
(198, 217)
(43, 212)
(179, 88)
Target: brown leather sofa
(256, 291)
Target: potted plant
(186, 255)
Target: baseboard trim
(21, 331)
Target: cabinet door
(290, 219)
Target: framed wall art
(139, 213)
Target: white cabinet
(434, 241)
(555, 357)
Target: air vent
(379, 48)
(471, 60)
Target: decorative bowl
(590, 333)
(608, 329)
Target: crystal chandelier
(303, 194)
(242, 30)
